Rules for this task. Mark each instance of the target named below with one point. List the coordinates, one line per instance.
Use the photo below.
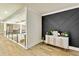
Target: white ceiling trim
(65, 9)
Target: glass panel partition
(16, 33)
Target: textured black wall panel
(63, 21)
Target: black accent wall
(66, 21)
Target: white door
(65, 42)
(59, 42)
(50, 40)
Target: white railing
(18, 38)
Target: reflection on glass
(23, 35)
(16, 33)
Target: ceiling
(8, 10)
(18, 17)
(44, 8)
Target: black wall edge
(66, 21)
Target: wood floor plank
(9, 48)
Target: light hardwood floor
(9, 48)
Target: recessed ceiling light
(5, 12)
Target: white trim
(17, 43)
(73, 48)
(61, 10)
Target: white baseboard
(74, 48)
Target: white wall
(33, 27)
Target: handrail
(17, 38)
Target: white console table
(59, 41)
